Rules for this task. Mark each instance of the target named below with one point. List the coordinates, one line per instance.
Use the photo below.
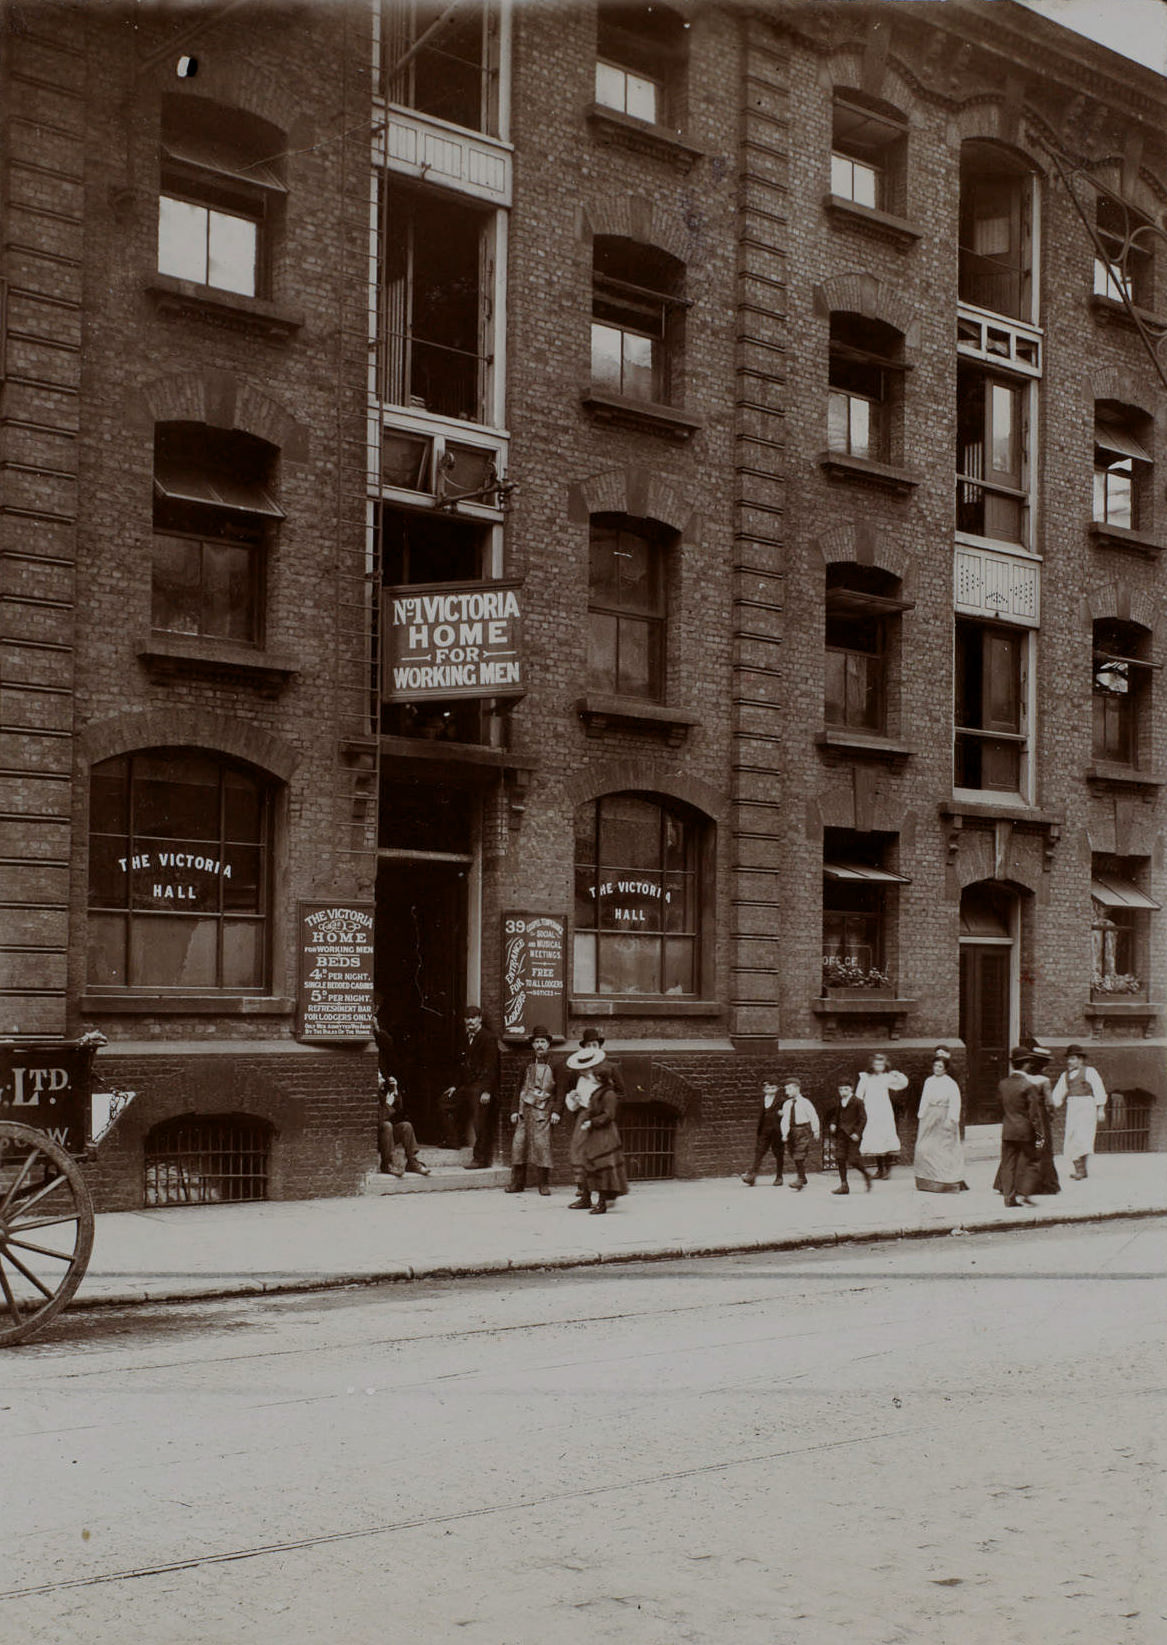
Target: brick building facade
(794, 367)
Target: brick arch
(994, 120)
(637, 217)
(971, 864)
(1124, 604)
(236, 82)
(219, 399)
(859, 292)
(875, 76)
(642, 493)
(188, 728)
(858, 542)
(642, 777)
(1124, 387)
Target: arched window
(863, 608)
(179, 873)
(637, 310)
(996, 231)
(640, 62)
(214, 521)
(1121, 691)
(627, 607)
(221, 196)
(866, 371)
(1122, 467)
(641, 871)
(869, 141)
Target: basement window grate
(212, 1160)
(649, 1133)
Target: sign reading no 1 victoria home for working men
(451, 640)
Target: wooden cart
(51, 1121)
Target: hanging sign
(335, 996)
(534, 971)
(446, 640)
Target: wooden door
(984, 1026)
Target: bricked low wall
(322, 1106)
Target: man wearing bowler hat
(535, 1117)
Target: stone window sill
(643, 415)
(628, 1005)
(191, 653)
(1110, 310)
(1140, 1013)
(892, 1011)
(600, 714)
(186, 1005)
(1117, 536)
(1109, 771)
(186, 300)
(857, 742)
(881, 225)
(642, 136)
(837, 465)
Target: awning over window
(863, 871)
(1112, 892)
(205, 155)
(197, 485)
(1114, 437)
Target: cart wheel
(46, 1230)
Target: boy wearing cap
(848, 1123)
(768, 1135)
(800, 1122)
(1082, 1091)
(537, 1114)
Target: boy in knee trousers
(847, 1124)
(800, 1122)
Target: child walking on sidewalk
(768, 1135)
(848, 1122)
(800, 1122)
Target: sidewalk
(239, 1250)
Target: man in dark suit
(472, 1101)
(1021, 1129)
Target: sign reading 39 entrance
(451, 640)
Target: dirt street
(954, 1442)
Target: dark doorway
(420, 966)
(984, 1027)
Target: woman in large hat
(593, 1070)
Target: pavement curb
(408, 1272)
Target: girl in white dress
(873, 1088)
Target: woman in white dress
(939, 1152)
(874, 1088)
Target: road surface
(955, 1442)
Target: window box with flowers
(1122, 985)
(849, 980)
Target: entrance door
(420, 969)
(984, 1026)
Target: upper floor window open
(996, 231)
(627, 590)
(868, 152)
(442, 60)
(221, 197)
(992, 710)
(863, 609)
(992, 460)
(1122, 692)
(641, 54)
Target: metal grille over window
(210, 1160)
(648, 1131)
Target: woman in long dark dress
(602, 1149)
(1047, 1175)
